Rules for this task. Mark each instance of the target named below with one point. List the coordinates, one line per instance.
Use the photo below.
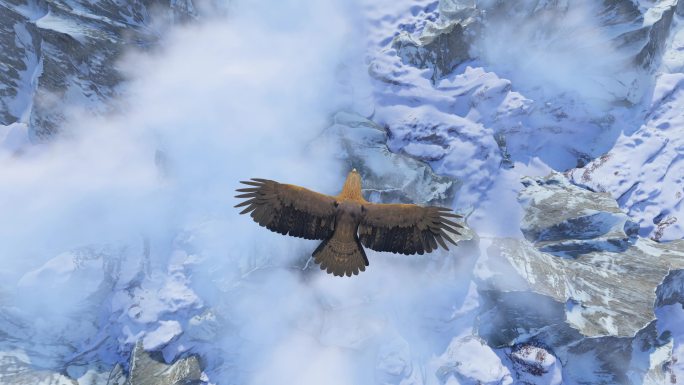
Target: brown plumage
(346, 221)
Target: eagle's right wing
(405, 228)
(289, 209)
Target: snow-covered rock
(535, 365)
(643, 169)
(59, 54)
(598, 283)
(605, 300)
(441, 48)
(567, 221)
(145, 369)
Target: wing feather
(407, 229)
(288, 209)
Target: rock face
(535, 365)
(567, 221)
(146, 370)
(441, 48)
(595, 299)
(56, 53)
(597, 281)
(447, 42)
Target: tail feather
(341, 257)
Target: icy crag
(61, 53)
(597, 297)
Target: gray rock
(54, 53)
(515, 322)
(599, 286)
(16, 369)
(147, 369)
(621, 21)
(568, 221)
(116, 376)
(18, 57)
(671, 291)
(601, 289)
(441, 47)
(657, 34)
(595, 307)
(638, 34)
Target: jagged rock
(513, 320)
(60, 52)
(116, 376)
(671, 291)
(16, 369)
(535, 365)
(639, 33)
(441, 48)
(657, 33)
(598, 286)
(18, 55)
(602, 295)
(564, 220)
(147, 369)
(597, 306)
(387, 177)
(457, 9)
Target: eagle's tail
(340, 256)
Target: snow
(673, 57)
(655, 11)
(22, 103)
(457, 364)
(643, 169)
(13, 138)
(670, 320)
(159, 337)
(61, 25)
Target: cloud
(558, 47)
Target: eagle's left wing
(406, 228)
(289, 209)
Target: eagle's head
(352, 186)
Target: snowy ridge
(643, 170)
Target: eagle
(346, 222)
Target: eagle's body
(346, 221)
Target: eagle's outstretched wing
(405, 228)
(289, 209)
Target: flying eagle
(346, 221)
